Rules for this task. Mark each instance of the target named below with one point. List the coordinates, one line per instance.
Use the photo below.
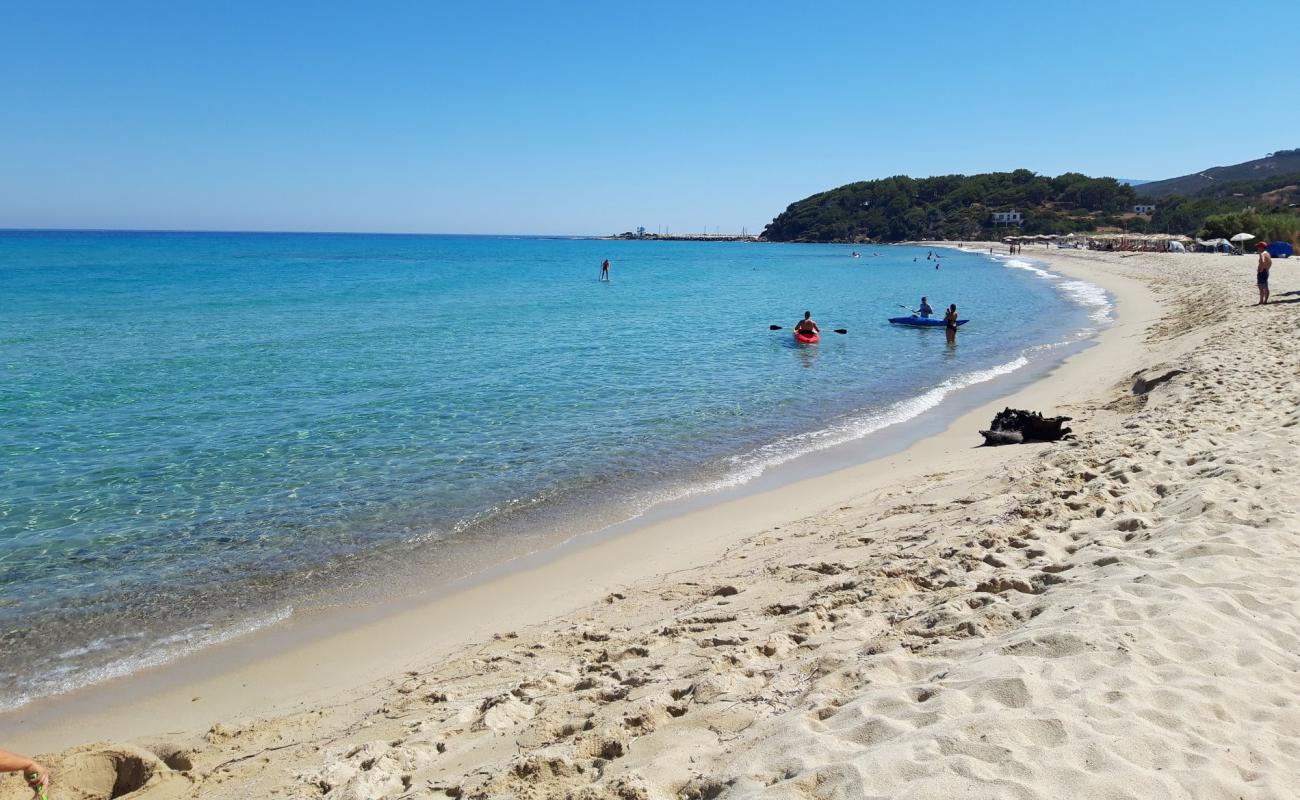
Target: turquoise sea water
(197, 431)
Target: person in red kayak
(806, 325)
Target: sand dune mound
(109, 771)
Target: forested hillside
(963, 207)
(1212, 180)
(953, 207)
(1201, 213)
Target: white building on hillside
(1143, 209)
(1007, 218)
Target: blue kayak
(922, 322)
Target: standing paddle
(779, 328)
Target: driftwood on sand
(1016, 425)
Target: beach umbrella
(1242, 237)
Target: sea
(202, 434)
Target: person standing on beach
(950, 323)
(37, 777)
(1261, 271)
(604, 270)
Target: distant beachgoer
(950, 323)
(604, 270)
(1261, 271)
(36, 775)
(925, 310)
(929, 255)
(806, 324)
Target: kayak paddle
(779, 328)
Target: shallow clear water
(197, 429)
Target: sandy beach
(1112, 616)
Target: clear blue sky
(485, 117)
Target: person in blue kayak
(925, 310)
(806, 325)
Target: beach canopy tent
(1150, 242)
(1214, 245)
(1280, 249)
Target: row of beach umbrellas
(1141, 237)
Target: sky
(595, 118)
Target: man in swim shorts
(1261, 271)
(806, 325)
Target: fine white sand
(1115, 616)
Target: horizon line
(5, 229)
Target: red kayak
(807, 337)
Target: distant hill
(1282, 162)
(1131, 181)
(954, 207)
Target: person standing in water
(604, 270)
(1261, 271)
(950, 323)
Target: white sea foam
(749, 466)
(753, 464)
(62, 678)
(1090, 295)
(1079, 292)
(1016, 263)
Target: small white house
(1143, 209)
(1007, 218)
